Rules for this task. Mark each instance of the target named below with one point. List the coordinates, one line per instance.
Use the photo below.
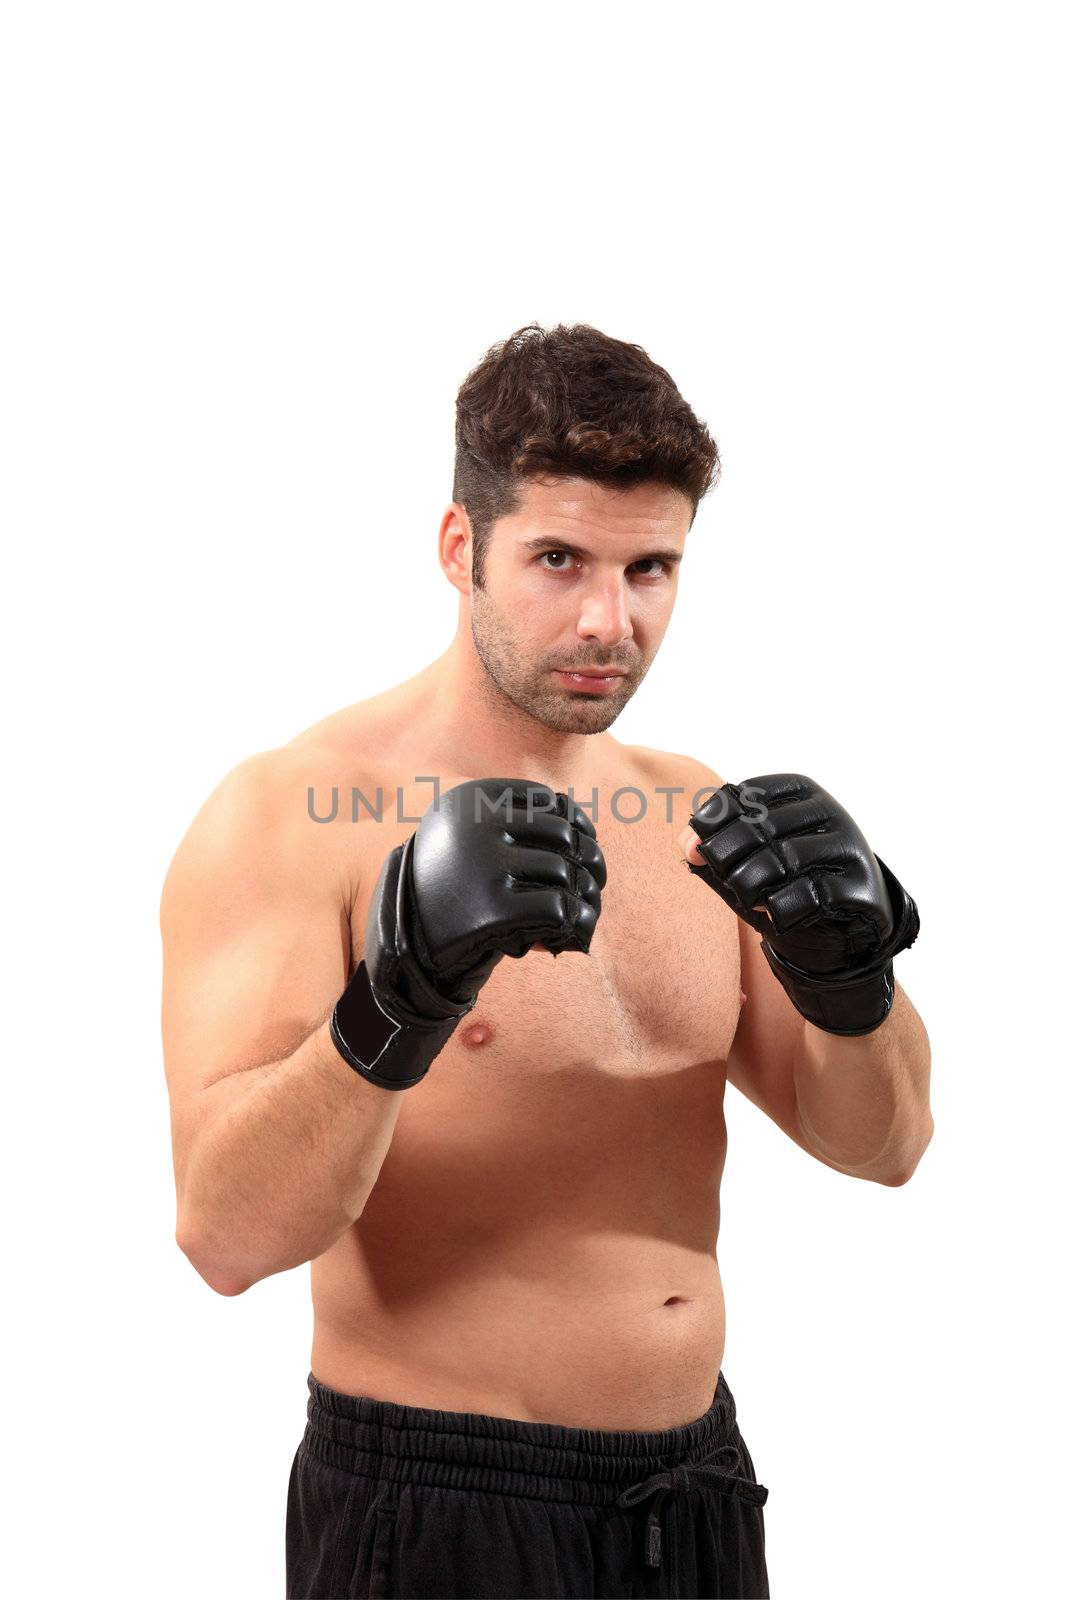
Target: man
(467, 1055)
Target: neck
(485, 733)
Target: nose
(605, 614)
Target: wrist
(854, 1003)
(383, 1040)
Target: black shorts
(397, 1501)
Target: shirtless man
(500, 1149)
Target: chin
(568, 718)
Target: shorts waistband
(464, 1450)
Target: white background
(251, 251)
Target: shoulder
(242, 821)
(248, 800)
(262, 830)
(266, 793)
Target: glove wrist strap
(386, 1044)
(853, 1004)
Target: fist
(497, 866)
(790, 861)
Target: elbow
(223, 1279)
(905, 1169)
(898, 1177)
(226, 1284)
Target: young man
(467, 1057)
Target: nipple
(476, 1035)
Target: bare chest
(557, 1169)
(658, 990)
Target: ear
(455, 547)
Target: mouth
(594, 680)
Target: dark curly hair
(571, 402)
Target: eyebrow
(546, 542)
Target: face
(580, 577)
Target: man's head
(579, 468)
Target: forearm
(281, 1164)
(863, 1104)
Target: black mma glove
(496, 865)
(835, 913)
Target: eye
(565, 555)
(647, 561)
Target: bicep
(255, 944)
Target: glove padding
(495, 866)
(501, 864)
(835, 913)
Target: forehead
(578, 506)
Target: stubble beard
(530, 690)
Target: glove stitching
(781, 800)
(805, 830)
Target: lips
(601, 682)
(594, 672)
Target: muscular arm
(860, 1105)
(276, 1141)
(864, 1104)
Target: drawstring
(661, 1484)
